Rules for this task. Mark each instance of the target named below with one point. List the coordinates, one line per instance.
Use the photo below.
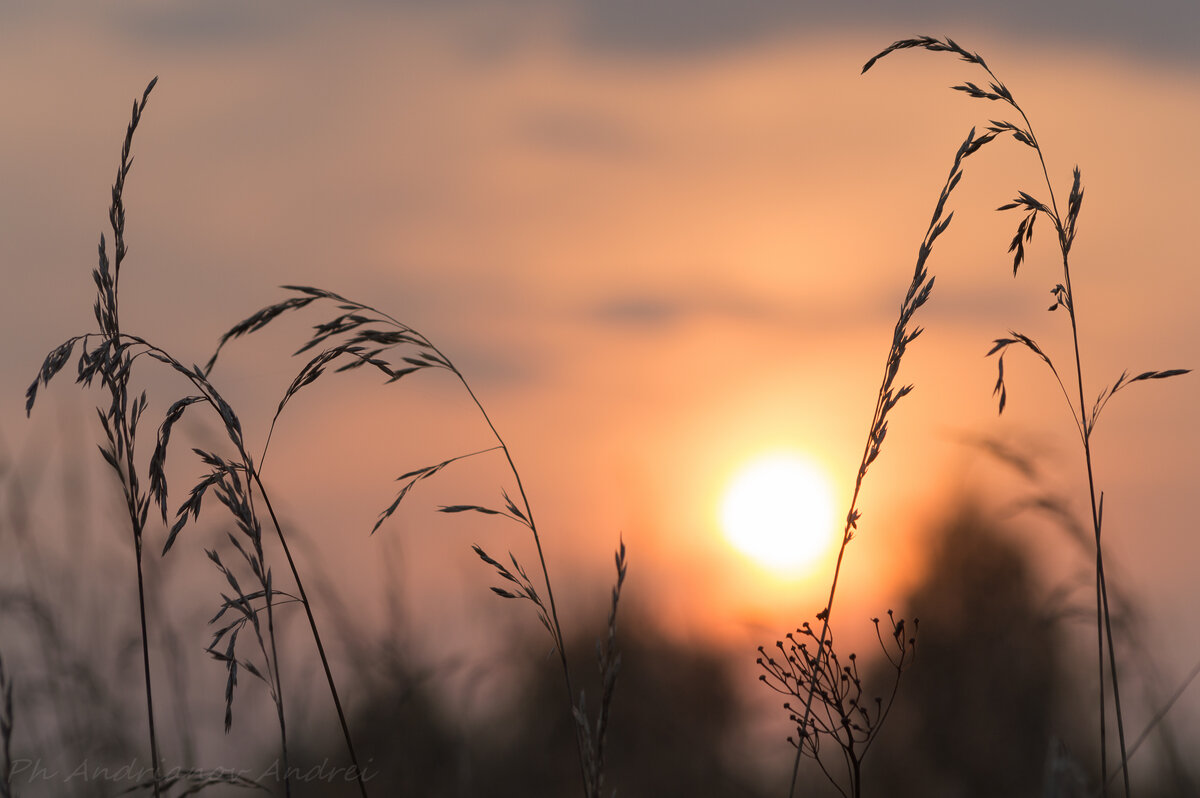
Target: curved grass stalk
(362, 335)
(234, 483)
(111, 361)
(208, 394)
(889, 395)
(1064, 295)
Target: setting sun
(778, 511)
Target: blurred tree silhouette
(990, 697)
(994, 693)
(983, 711)
(674, 710)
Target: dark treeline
(998, 703)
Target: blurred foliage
(675, 708)
(995, 705)
(992, 691)
(995, 699)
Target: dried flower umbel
(890, 393)
(831, 709)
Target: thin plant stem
(1101, 584)
(363, 345)
(1103, 615)
(112, 361)
(146, 669)
(1064, 296)
(1102, 609)
(121, 427)
(821, 641)
(202, 383)
(918, 293)
(555, 627)
(278, 687)
(537, 540)
(312, 624)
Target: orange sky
(651, 265)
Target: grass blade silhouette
(888, 397)
(1065, 226)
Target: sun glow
(778, 511)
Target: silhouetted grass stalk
(249, 523)
(123, 418)
(112, 363)
(316, 634)
(889, 395)
(231, 492)
(1064, 296)
(234, 482)
(360, 336)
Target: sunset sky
(659, 239)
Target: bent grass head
(1065, 226)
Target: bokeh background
(659, 239)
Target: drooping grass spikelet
(1066, 227)
(109, 356)
(889, 396)
(112, 362)
(360, 335)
